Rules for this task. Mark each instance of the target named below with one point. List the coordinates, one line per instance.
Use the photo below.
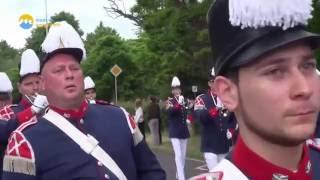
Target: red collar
(256, 168)
(25, 103)
(71, 113)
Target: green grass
(193, 148)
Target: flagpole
(46, 9)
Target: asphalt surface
(193, 166)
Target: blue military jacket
(213, 129)
(41, 151)
(177, 119)
(7, 126)
(317, 132)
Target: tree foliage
(9, 56)
(106, 49)
(173, 40)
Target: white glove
(229, 134)
(39, 103)
(219, 103)
(92, 101)
(181, 100)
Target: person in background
(5, 90)
(214, 137)
(138, 117)
(29, 81)
(9, 120)
(178, 129)
(90, 92)
(31, 104)
(153, 113)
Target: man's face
(277, 98)
(30, 85)
(63, 81)
(176, 91)
(90, 94)
(5, 99)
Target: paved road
(193, 166)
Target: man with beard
(266, 75)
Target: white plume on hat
(213, 73)
(261, 13)
(62, 35)
(5, 83)
(318, 72)
(175, 82)
(30, 63)
(88, 83)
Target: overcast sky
(88, 12)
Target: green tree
(98, 32)
(314, 24)
(70, 18)
(13, 74)
(174, 33)
(35, 40)
(9, 57)
(9, 60)
(110, 49)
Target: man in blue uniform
(215, 129)
(90, 92)
(29, 82)
(178, 129)
(266, 75)
(9, 120)
(74, 139)
(29, 87)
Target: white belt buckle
(90, 145)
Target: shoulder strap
(86, 142)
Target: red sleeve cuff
(190, 117)
(24, 116)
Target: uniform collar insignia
(76, 114)
(243, 158)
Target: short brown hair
(138, 102)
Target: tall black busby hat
(243, 30)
